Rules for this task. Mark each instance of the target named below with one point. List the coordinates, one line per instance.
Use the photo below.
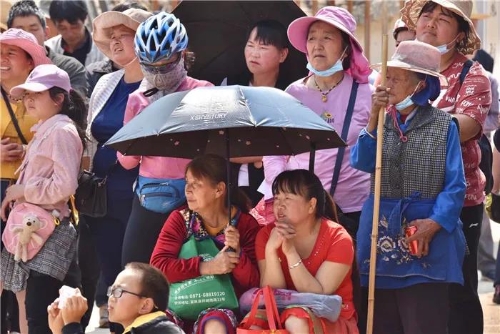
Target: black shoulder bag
(13, 118)
(348, 223)
(91, 195)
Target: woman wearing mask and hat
(114, 35)
(160, 42)
(338, 73)
(422, 187)
(20, 53)
(446, 25)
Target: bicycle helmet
(160, 37)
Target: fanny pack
(28, 228)
(160, 195)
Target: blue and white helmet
(159, 37)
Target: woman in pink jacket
(160, 42)
(47, 178)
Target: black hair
(123, 6)
(270, 32)
(303, 183)
(463, 26)
(74, 107)
(153, 284)
(25, 8)
(214, 168)
(71, 11)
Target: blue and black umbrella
(231, 121)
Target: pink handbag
(27, 229)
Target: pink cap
(341, 19)
(42, 78)
(26, 41)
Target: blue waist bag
(160, 195)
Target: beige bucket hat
(463, 8)
(102, 24)
(5, 6)
(418, 57)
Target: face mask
(337, 67)
(407, 101)
(166, 82)
(443, 49)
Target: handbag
(28, 228)
(189, 298)
(273, 318)
(90, 196)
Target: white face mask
(337, 67)
(407, 101)
(445, 48)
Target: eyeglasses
(118, 292)
(162, 69)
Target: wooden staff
(376, 200)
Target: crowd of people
(175, 229)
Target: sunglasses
(161, 69)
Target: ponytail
(74, 107)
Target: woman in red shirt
(305, 251)
(207, 216)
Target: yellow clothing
(7, 129)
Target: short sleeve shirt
(471, 98)
(333, 244)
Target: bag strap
(345, 131)
(273, 317)
(465, 70)
(13, 118)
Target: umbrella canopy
(217, 33)
(232, 121)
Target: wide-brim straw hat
(5, 6)
(341, 19)
(417, 57)
(26, 41)
(102, 24)
(463, 8)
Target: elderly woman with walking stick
(446, 24)
(420, 246)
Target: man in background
(26, 15)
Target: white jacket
(102, 92)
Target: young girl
(47, 178)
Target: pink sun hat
(26, 41)
(42, 78)
(341, 19)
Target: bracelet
(295, 265)
(369, 134)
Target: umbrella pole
(312, 157)
(228, 171)
(376, 200)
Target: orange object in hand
(412, 245)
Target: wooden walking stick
(376, 199)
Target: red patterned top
(472, 98)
